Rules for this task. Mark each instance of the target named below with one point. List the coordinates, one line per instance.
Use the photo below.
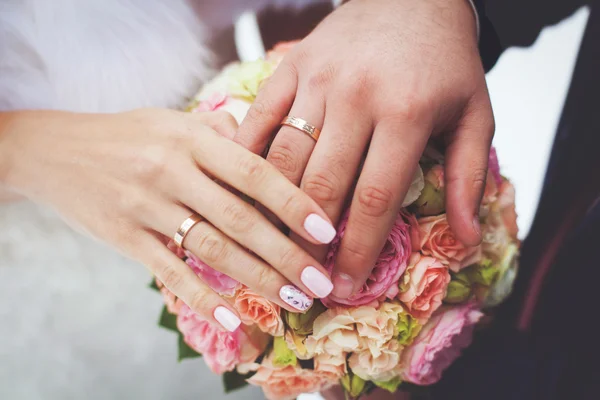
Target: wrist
(26, 140)
(8, 120)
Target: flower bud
(433, 197)
(484, 273)
(507, 273)
(353, 385)
(283, 356)
(457, 292)
(408, 328)
(302, 324)
(391, 385)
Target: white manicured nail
(319, 228)
(226, 318)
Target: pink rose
(255, 309)
(423, 286)
(433, 237)
(387, 270)
(494, 166)
(439, 343)
(218, 281)
(222, 350)
(221, 101)
(289, 382)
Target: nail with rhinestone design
(295, 298)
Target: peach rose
(340, 330)
(500, 228)
(381, 368)
(423, 286)
(255, 309)
(289, 382)
(433, 237)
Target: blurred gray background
(77, 321)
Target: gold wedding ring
(302, 125)
(184, 228)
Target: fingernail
(295, 297)
(316, 281)
(343, 286)
(319, 228)
(226, 318)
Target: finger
(248, 227)
(466, 171)
(291, 148)
(183, 283)
(334, 163)
(377, 200)
(270, 106)
(221, 122)
(223, 254)
(255, 177)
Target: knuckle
(358, 253)
(150, 164)
(322, 78)
(292, 204)
(283, 156)
(133, 204)
(253, 169)
(169, 277)
(261, 110)
(239, 217)
(287, 257)
(323, 187)
(200, 301)
(264, 277)
(212, 248)
(374, 201)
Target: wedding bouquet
(409, 322)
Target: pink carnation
(384, 277)
(222, 350)
(494, 166)
(439, 343)
(218, 281)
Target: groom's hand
(379, 77)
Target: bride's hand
(131, 179)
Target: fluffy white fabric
(109, 55)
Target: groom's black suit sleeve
(507, 23)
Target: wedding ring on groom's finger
(303, 126)
(184, 229)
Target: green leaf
(391, 386)
(234, 381)
(153, 285)
(186, 351)
(168, 320)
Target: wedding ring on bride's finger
(184, 229)
(303, 126)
